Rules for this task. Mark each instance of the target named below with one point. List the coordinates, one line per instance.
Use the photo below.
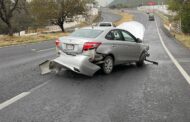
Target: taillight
(57, 43)
(91, 45)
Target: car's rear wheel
(56, 68)
(140, 63)
(108, 65)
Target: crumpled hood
(134, 27)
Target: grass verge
(183, 38)
(16, 40)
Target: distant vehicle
(106, 24)
(89, 49)
(151, 17)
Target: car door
(118, 45)
(132, 48)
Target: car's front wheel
(140, 63)
(108, 65)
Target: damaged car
(90, 49)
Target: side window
(127, 37)
(114, 35)
(109, 36)
(117, 35)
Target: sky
(104, 2)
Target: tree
(20, 22)
(56, 10)
(92, 1)
(7, 11)
(182, 8)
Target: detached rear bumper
(79, 64)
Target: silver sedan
(90, 49)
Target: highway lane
(108, 16)
(153, 93)
(19, 70)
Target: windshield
(105, 24)
(86, 33)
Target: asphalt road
(130, 94)
(108, 16)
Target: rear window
(86, 33)
(105, 25)
(151, 15)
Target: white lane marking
(38, 87)
(20, 96)
(45, 50)
(12, 100)
(179, 67)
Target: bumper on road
(79, 64)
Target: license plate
(70, 47)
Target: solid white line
(45, 50)
(12, 100)
(39, 86)
(20, 96)
(182, 71)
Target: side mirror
(139, 40)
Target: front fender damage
(79, 64)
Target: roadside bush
(185, 18)
(182, 8)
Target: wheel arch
(110, 54)
(142, 53)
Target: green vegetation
(56, 11)
(17, 15)
(9, 9)
(184, 38)
(182, 8)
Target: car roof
(106, 22)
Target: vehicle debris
(150, 61)
(79, 64)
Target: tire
(108, 65)
(57, 70)
(55, 67)
(140, 63)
